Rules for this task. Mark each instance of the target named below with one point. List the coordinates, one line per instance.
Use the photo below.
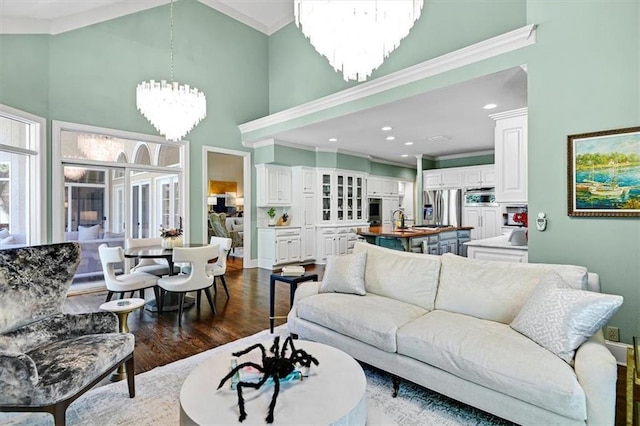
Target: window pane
(14, 133)
(14, 196)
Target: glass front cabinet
(341, 197)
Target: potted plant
(272, 216)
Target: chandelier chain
(171, 39)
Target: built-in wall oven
(375, 211)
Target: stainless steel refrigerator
(443, 207)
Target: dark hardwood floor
(160, 341)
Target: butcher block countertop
(389, 231)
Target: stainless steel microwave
(480, 197)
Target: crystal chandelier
(74, 173)
(172, 108)
(100, 147)
(356, 35)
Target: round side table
(121, 308)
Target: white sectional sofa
(444, 322)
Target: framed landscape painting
(604, 173)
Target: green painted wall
(583, 77)
(382, 169)
(89, 76)
(299, 74)
(24, 73)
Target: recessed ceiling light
(333, 140)
(405, 155)
(408, 143)
(391, 138)
(489, 106)
(387, 128)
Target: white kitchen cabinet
(341, 197)
(278, 246)
(389, 204)
(334, 241)
(511, 135)
(486, 221)
(308, 176)
(273, 185)
(442, 178)
(390, 188)
(374, 187)
(480, 176)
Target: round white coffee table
(121, 308)
(334, 393)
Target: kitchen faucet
(400, 219)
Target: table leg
(123, 326)
(292, 293)
(272, 300)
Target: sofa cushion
(493, 355)
(86, 233)
(373, 319)
(495, 290)
(344, 274)
(407, 277)
(560, 318)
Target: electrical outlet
(612, 334)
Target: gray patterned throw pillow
(345, 274)
(560, 318)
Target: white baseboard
(619, 351)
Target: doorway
(227, 189)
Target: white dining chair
(137, 281)
(219, 269)
(198, 279)
(156, 266)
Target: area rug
(158, 393)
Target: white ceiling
(454, 112)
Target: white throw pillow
(86, 233)
(344, 274)
(4, 233)
(7, 240)
(561, 318)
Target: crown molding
(465, 155)
(489, 48)
(79, 20)
(237, 15)
(510, 114)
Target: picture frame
(603, 173)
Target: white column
(419, 192)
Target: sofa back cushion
(407, 277)
(495, 290)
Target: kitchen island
(497, 248)
(419, 239)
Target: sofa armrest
(597, 373)
(18, 377)
(305, 289)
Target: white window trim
(57, 186)
(38, 199)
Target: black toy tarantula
(275, 367)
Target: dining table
(171, 302)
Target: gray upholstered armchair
(48, 358)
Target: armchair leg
(109, 296)
(141, 292)
(160, 303)
(215, 286)
(180, 309)
(207, 292)
(198, 299)
(131, 377)
(224, 284)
